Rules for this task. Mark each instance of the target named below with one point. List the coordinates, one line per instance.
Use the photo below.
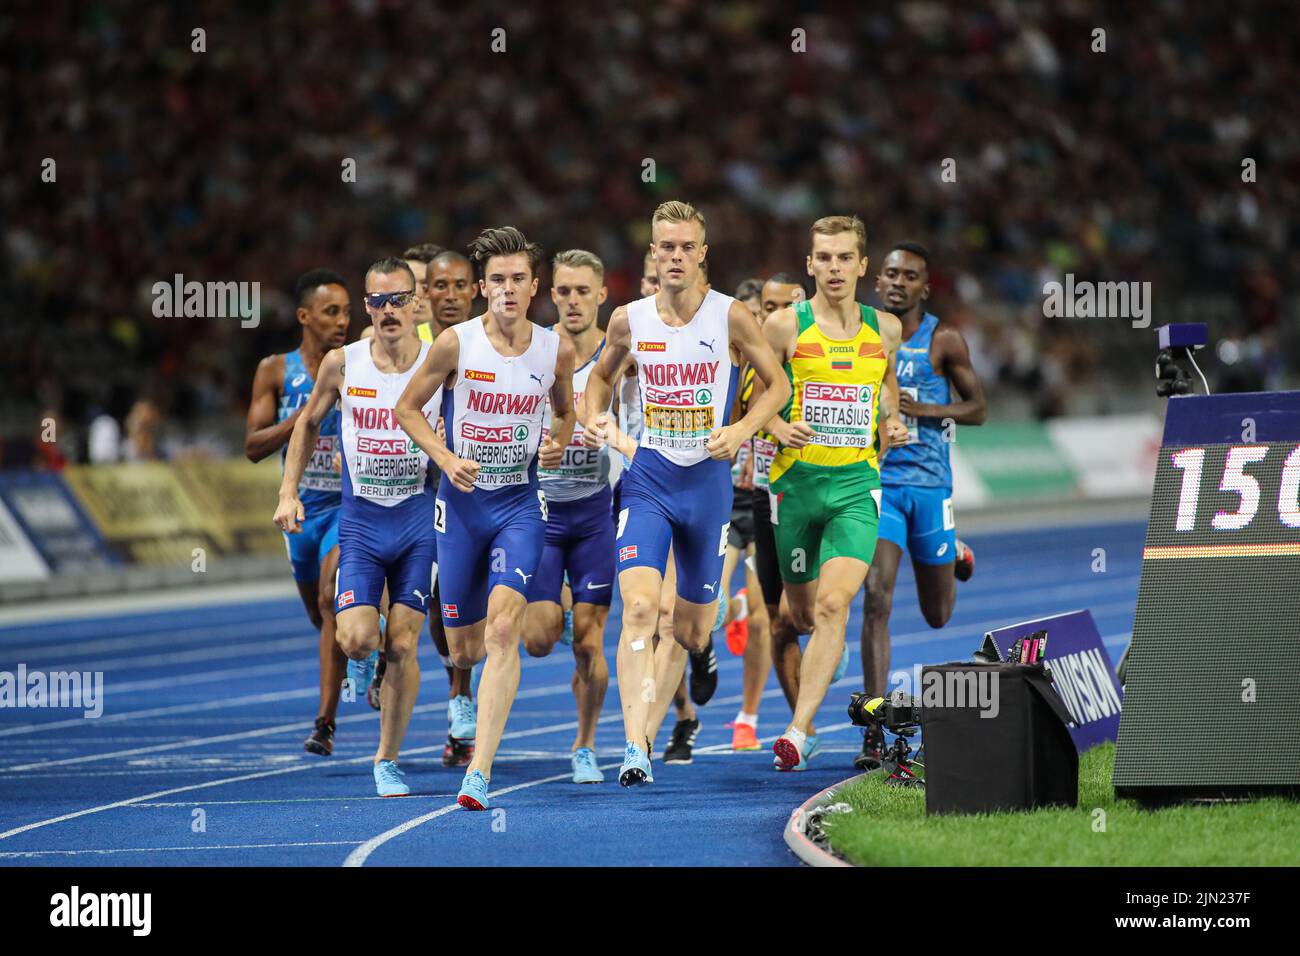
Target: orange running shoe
(738, 627)
(744, 737)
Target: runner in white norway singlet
(684, 374)
(382, 465)
(494, 533)
(385, 517)
(494, 413)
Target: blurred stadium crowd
(226, 165)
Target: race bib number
(541, 500)
(678, 418)
(764, 453)
(321, 474)
(840, 415)
(439, 516)
(580, 462)
(388, 469)
(913, 429)
(502, 452)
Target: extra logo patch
(652, 346)
(478, 376)
(346, 599)
(627, 553)
(450, 611)
(362, 392)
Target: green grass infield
(888, 825)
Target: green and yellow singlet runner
(826, 495)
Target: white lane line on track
(427, 673)
(134, 604)
(363, 852)
(303, 640)
(147, 639)
(280, 771)
(28, 854)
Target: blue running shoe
(361, 673)
(388, 780)
(842, 667)
(584, 766)
(473, 791)
(464, 718)
(566, 635)
(636, 767)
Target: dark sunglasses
(377, 300)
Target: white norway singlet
(685, 376)
(584, 470)
(494, 414)
(383, 465)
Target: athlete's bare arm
(263, 435)
(616, 438)
(550, 454)
(747, 339)
(890, 425)
(594, 413)
(954, 364)
(329, 379)
(779, 331)
(437, 371)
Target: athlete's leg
(590, 669)
(936, 589)
(729, 562)
(333, 662)
(500, 680)
(787, 655)
(635, 663)
(542, 626)
(838, 583)
(401, 678)
(458, 679)
(758, 651)
(876, 609)
(309, 593)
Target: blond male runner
(688, 345)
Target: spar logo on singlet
(501, 450)
(839, 413)
(386, 446)
(679, 402)
(494, 434)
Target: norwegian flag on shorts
(627, 553)
(451, 611)
(346, 598)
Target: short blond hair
(578, 259)
(677, 211)
(834, 225)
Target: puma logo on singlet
(709, 344)
(538, 378)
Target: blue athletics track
(206, 707)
